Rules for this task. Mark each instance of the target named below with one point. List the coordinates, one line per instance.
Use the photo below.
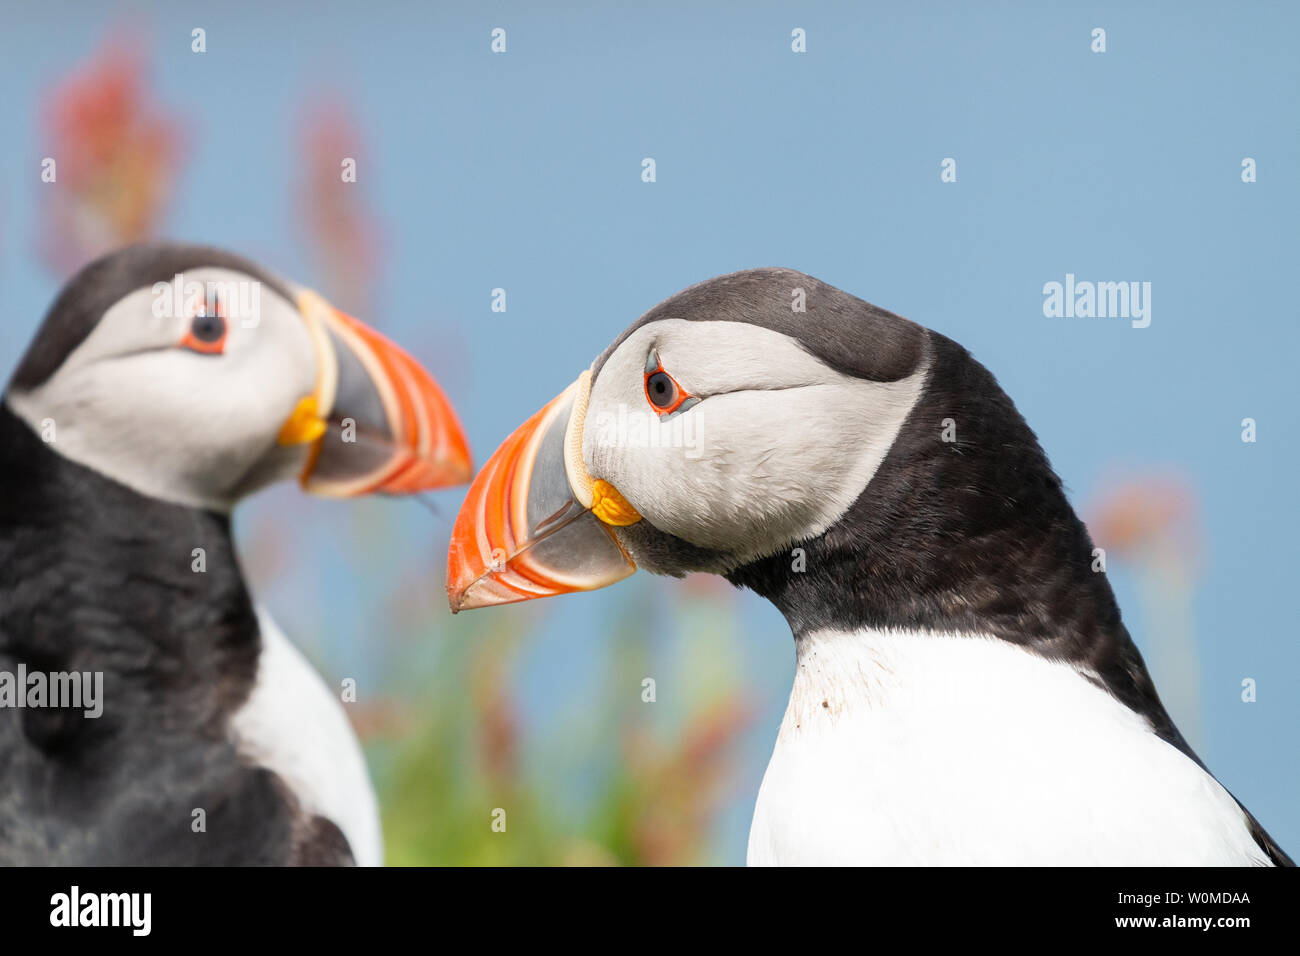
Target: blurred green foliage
(657, 772)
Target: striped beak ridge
(377, 422)
(534, 523)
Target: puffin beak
(376, 421)
(534, 523)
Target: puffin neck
(967, 536)
(97, 577)
(970, 537)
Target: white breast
(923, 749)
(292, 724)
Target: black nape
(964, 527)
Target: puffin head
(730, 423)
(193, 376)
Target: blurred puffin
(166, 383)
(965, 692)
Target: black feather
(95, 577)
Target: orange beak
(377, 422)
(531, 525)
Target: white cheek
(175, 425)
(750, 471)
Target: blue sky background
(523, 171)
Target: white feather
(903, 748)
(295, 726)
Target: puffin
(965, 690)
(167, 382)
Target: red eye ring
(662, 391)
(207, 333)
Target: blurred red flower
(1134, 514)
(115, 157)
(339, 228)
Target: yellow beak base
(303, 425)
(610, 506)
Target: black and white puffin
(166, 383)
(965, 690)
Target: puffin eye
(207, 334)
(662, 390)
